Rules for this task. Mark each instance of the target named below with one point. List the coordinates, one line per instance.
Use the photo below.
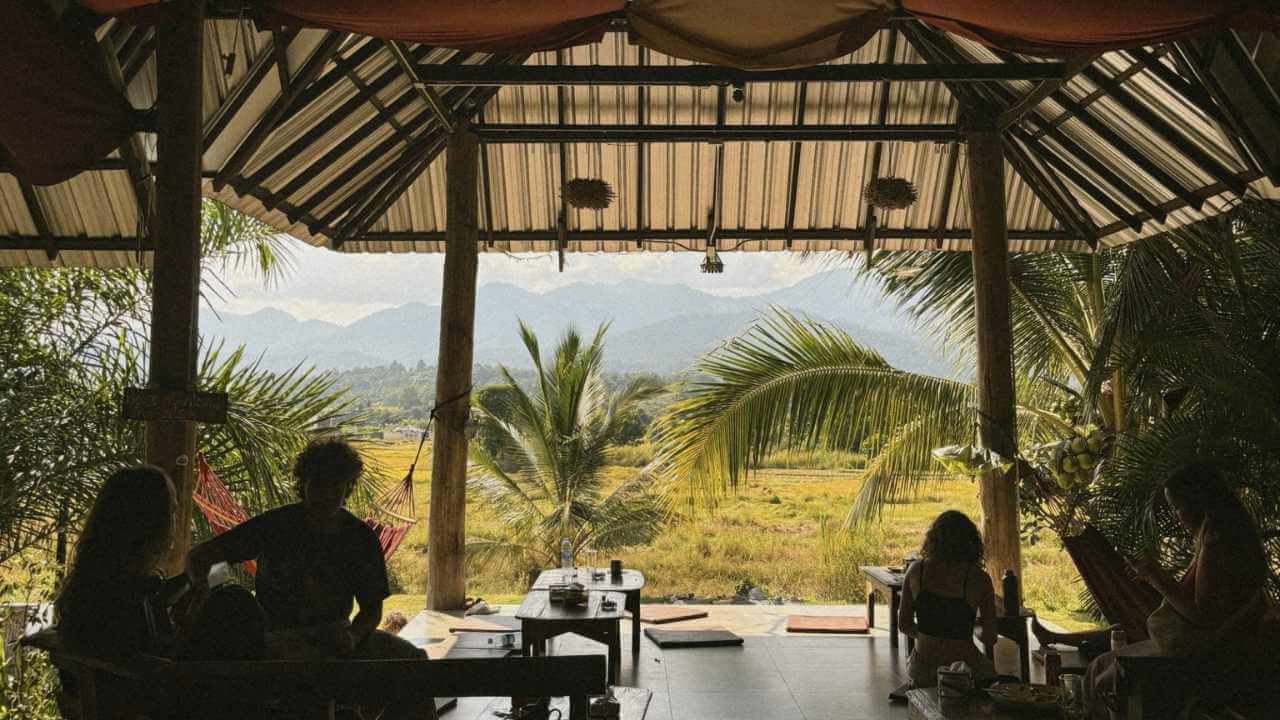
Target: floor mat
(841, 624)
(669, 638)
(661, 614)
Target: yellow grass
(770, 534)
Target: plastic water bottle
(566, 554)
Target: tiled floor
(773, 676)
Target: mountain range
(652, 327)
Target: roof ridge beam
(707, 75)
(556, 133)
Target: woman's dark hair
(954, 538)
(1198, 489)
(328, 460)
(128, 531)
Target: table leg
(871, 605)
(633, 605)
(893, 617)
(615, 651)
(1024, 653)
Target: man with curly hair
(316, 563)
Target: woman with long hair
(106, 603)
(1220, 599)
(944, 594)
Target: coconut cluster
(1072, 460)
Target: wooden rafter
(1040, 92)
(741, 235)
(267, 123)
(236, 98)
(38, 219)
(793, 174)
(877, 149)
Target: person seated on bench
(1220, 599)
(113, 603)
(316, 561)
(943, 594)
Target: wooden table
(634, 704)
(541, 620)
(888, 583)
(631, 584)
(923, 705)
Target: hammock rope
(391, 517)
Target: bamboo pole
(175, 273)
(446, 530)
(997, 428)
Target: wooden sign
(155, 404)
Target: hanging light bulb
(712, 262)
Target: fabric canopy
(757, 33)
(494, 26)
(60, 113)
(1088, 27)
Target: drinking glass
(592, 553)
(1072, 698)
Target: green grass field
(770, 534)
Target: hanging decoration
(588, 193)
(712, 262)
(890, 193)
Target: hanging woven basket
(890, 193)
(588, 193)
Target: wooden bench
(319, 687)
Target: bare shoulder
(980, 581)
(911, 578)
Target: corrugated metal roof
(357, 157)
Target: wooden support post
(175, 276)
(446, 529)
(997, 428)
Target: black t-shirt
(306, 577)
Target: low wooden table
(540, 620)
(889, 584)
(923, 705)
(631, 584)
(634, 704)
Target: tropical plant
(1097, 338)
(73, 339)
(539, 460)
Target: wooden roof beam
(1029, 102)
(301, 146)
(306, 74)
(1060, 203)
(343, 65)
(942, 212)
(73, 243)
(400, 52)
(38, 219)
(235, 99)
(793, 174)
(740, 235)
(132, 151)
(1194, 94)
(556, 133)
(707, 75)
(1167, 133)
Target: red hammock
(1122, 599)
(391, 518)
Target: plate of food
(1024, 696)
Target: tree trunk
(997, 426)
(446, 581)
(175, 275)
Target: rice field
(782, 532)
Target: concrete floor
(775, 675)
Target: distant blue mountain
(653, 327)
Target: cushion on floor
(671, 638)
(659, 614)
(843, 624)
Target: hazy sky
(342, 288)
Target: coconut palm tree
(541, 464)
(1169, 344)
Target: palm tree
(1169, 344)
(541, 463)
(75, 338)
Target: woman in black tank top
(943, 595)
